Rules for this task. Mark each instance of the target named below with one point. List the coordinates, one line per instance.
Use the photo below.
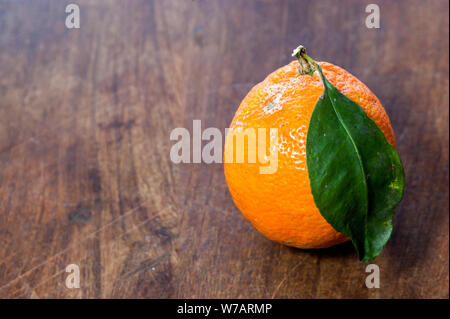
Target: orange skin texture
(281, 205)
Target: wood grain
(85, 120)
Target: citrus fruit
(280, 205)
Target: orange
(281, 205)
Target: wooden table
(85, 122)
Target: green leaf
(356, 175)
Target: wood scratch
(87, 237)
(80, 262)
(144, 265)
(284, 279)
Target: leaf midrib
(366, 192)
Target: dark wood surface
(85, 120)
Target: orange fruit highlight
(281, 205)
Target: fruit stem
(307, 65)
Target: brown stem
(307, 65)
